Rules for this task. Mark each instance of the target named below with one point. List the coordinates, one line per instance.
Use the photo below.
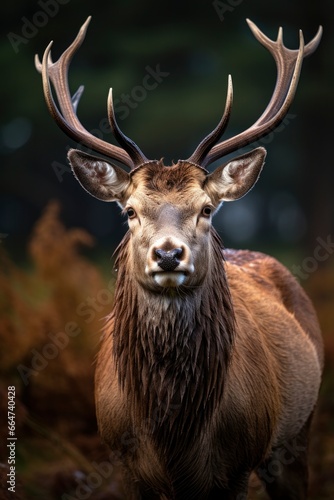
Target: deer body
(197, 386)
(211, 360)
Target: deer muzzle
(169, 262)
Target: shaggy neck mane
(172, 351)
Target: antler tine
(57, 72)
(288, 63)
(136, 154)
(67, 119)
(210, 140)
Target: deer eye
(207, 211)
(131, 213)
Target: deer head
(170, 208)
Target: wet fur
(195, 388)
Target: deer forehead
(156, 187)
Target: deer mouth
(169, 279)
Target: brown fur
(196, 386)
(206, 368)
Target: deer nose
(168, 260)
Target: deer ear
(234, 179)
(101, 179)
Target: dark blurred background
(185, 50)
(196, 45)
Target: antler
(288, 64)
(67, 120)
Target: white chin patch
(172, 279)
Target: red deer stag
(211, 360)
